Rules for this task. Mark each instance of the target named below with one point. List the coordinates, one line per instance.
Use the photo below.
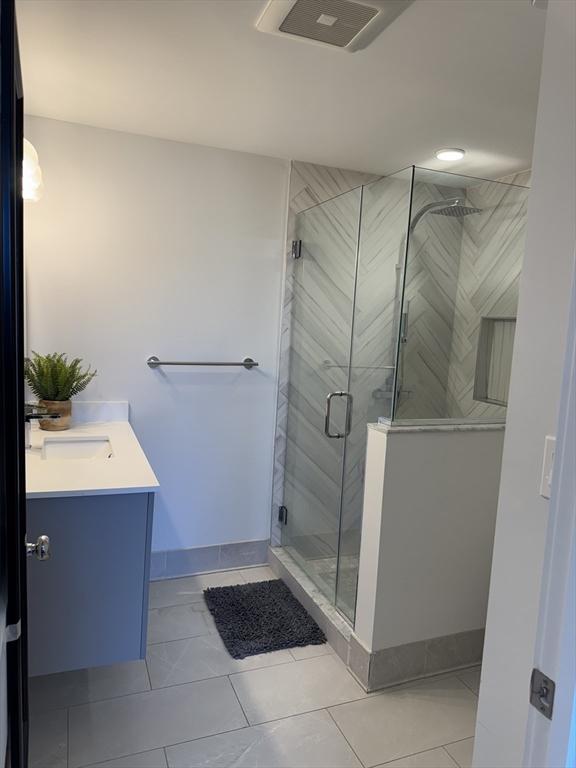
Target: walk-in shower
(403, 298)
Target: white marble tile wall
(490, 266)
(429, 299)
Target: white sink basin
(84, 447)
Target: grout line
(161, 747)
(148, 671)
(214, 677)
(218, 571)
(457, 765)
(344, 736)
(464, 683)
(173, 685)
(165, 755)
(120, 757)
(176, 744)
(239, 702)
(175, 605)
(306, 712)
(458, 741)
(244, 727)
(414, 754)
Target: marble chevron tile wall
(459, 269)
(385, 215)
(489, 273)
(429, 300)
(310, 185)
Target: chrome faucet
(32, 411)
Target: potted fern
(55, 381)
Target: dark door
(13, 673)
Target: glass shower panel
(466, 242)
(381, 255)
(321, 326)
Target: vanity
(91, 490)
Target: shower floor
(323, 572)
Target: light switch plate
(547, 466)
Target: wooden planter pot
(61, 407)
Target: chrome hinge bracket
(296, 249)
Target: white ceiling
(461, 73)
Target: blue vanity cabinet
(88, 604)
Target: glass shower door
(322, 312)
(377, 319)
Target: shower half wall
(391, 315)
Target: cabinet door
(88, 603)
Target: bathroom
(317, 322)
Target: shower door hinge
(296, 249)
(283, 514)
(542, 693)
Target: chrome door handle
(40, 548)
(338, 435)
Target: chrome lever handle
(40, 548)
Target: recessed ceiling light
(450, 154)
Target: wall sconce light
(31, 174)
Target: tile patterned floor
(190, 705)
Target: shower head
(450, 207)
(456, 210)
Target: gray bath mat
(261, 617)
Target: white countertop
(127, 471)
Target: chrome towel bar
(154, 362)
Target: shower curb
(384, 668)
(337, 630)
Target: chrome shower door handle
(350, 400)
(338, 435)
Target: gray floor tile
(305, 741)
(83, 685)
(310, 651)
(189, 589)
(154, 759)
(433, 758)
(471, 678)
(198, 658)
(259, 573)
(49, 739)
(144, 721)
(177, 622)
(461, 752)
(292, 689)
(408, 719)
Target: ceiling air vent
(345, 24)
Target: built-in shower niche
(387, 302)
(494, 360)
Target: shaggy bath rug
(261, 617)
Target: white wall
(533, 406)
(427, 545)
(142, 246)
